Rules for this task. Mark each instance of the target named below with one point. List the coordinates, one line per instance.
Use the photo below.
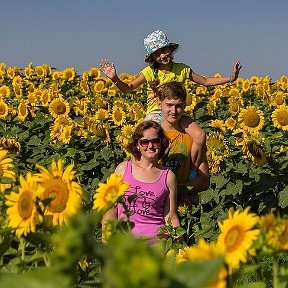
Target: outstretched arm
(213, 81)
(110, 71)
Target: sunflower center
(251, 119)
(60, 109)
(25, 205)
(282, 117)
(234, 238)
(58, 191)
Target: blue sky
(212, 34)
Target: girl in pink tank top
(153, 187)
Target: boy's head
(172, 101)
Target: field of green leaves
(62, 134)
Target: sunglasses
(145, 142)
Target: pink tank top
(147, 208)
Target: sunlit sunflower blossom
(59, 106)
(191, 101)
(237, 235)
(280, 117)
(107, 194)
(118, 116)
(80, 106)
(41, 72)
(218, 124)
(254, 151)
(22, 212)
(69, 74)
(138, 110)
(277, 99)
(99, 87)
(205, 251)
(4, 109)
(230, 123)
(217, 151)
(101, 114)
(59, 186)
(4, 91)
(6, 170)
(29, 71)
(22, 111)
(10, 144)
(275, 232)
(94, 72)
(251, 119)
(100, 130)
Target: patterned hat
(156, 40)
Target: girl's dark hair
(138, 134)
(171, 90)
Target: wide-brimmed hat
(157, 40)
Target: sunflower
(237, 236)
(66, 134)
(69, 74)
(100, 130)
(59, 187)
(94, 72)
(3, 67)
(10, 144)
(84, 86)
(22, 111)
(217, 151)
(40, 71)
(17, 90)
(245, 85)
(29, 71)
(139, 111)
(280, 117)
(191, 101)
(6, 166)
(205, 251)
(80, 106)
(118, 116)
(4, 110)
(278, 99)
(234, 92)
(4, 91)
(101, 114)
(107, 194)
(255, 152)
(45, 98)
(251, 119)
(99, 87)
(230, 123)
(59, 106)
(275, 231)
(22, 212)
(218, 124)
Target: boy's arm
(202, 180)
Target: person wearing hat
(162, 69)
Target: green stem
(276, 272)
(22, 248)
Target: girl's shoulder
(120, 169)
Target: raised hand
(236, 70)
(108, 69)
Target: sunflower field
(61, 136)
